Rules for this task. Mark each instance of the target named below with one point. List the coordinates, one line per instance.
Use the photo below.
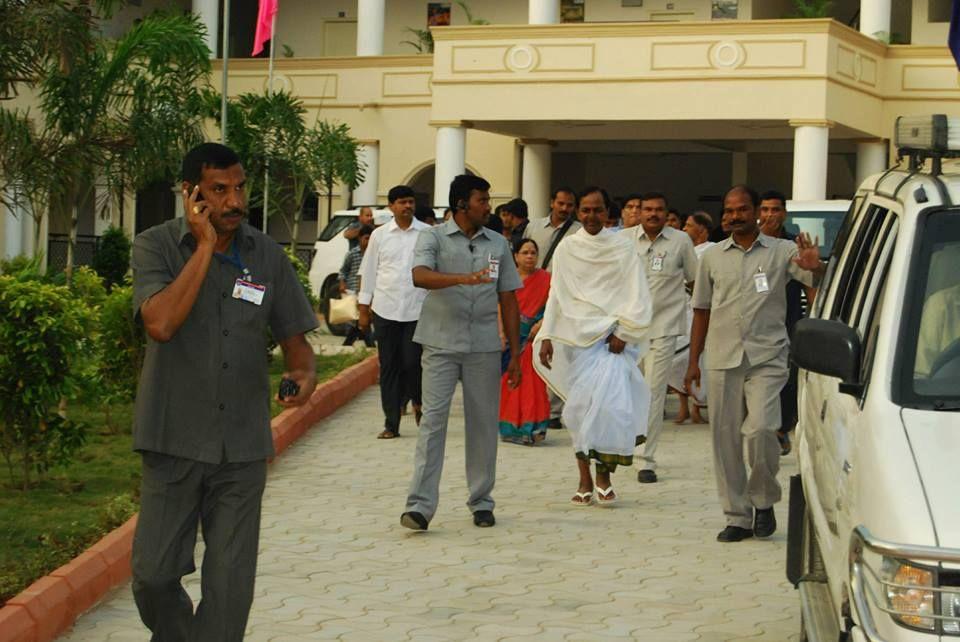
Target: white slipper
(582, 499)
(603, 494)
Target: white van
(330, 249)
(874, 533)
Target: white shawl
(598, 287)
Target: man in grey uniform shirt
(670, 262)
(739, 303)
(206, 288)
(468, 269)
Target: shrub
(22, 267)
(112, 261)
(303, 275)
(121, 346)
(42, 331)
(88, 286)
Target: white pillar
(13, 224)
(177, 190)
(875, 19)
(370, 20)
(871, 159)
(543, 12)
(450, 161)
(366, 192)
(209, 13)
(535, 180)
(810, 150)
(738, 168)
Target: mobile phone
(199, 196)
(288, 388)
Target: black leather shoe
(555, 424)
(414, 521)
(484, 518)
(764, 522)
(734, 534)
(647, 476)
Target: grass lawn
(47, 526)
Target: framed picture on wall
(438, 14)
(724, 9)
(571, 10)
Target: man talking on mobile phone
(206, 289)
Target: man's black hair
(773, 194)
(746, 189)
(400, 191)
(636, 196)
(519, 243)
(703, 220)
(462, 186)
(204, 155)
(652, 196)
(517, 207)
(613, 212)
(563, 188)
(424, 214)
(595, 189)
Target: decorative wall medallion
(522, 58)
(727, 55)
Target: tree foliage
(112, 260)
(122, 112)
(813, 8)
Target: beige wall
(923, 31)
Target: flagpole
(266, 173)
(226, 57)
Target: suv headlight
(950, 607)
(909, 591)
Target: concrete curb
(49, 606)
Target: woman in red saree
(525, 410)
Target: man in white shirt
(670, 262)
(389, 299)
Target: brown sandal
(388, 434)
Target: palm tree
(122, 112)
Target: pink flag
(268, 9)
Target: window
(939, 10)
(856, 264)
(928, 375)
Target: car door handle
(847, 467)
(823, 411)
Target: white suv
(874, 537)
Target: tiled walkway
(336, 564)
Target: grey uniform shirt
(670, 262)
(541, 231)
(204, 395)
(744, 320)
(463, 318)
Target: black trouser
(788, 402)
(399, 367)
(176, 495)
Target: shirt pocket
(253, 314)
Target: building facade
(684, 97)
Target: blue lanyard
(234, 258)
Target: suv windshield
(336, 225)
(931, 370)
(822, 225)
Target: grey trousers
(745, 407)
(176, 495)
(479, 373)
(656, 366)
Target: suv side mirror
(830, 348)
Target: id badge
(760, 282)
(249, 291)
(494, 267)
(656, 263)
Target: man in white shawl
(593, 334)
